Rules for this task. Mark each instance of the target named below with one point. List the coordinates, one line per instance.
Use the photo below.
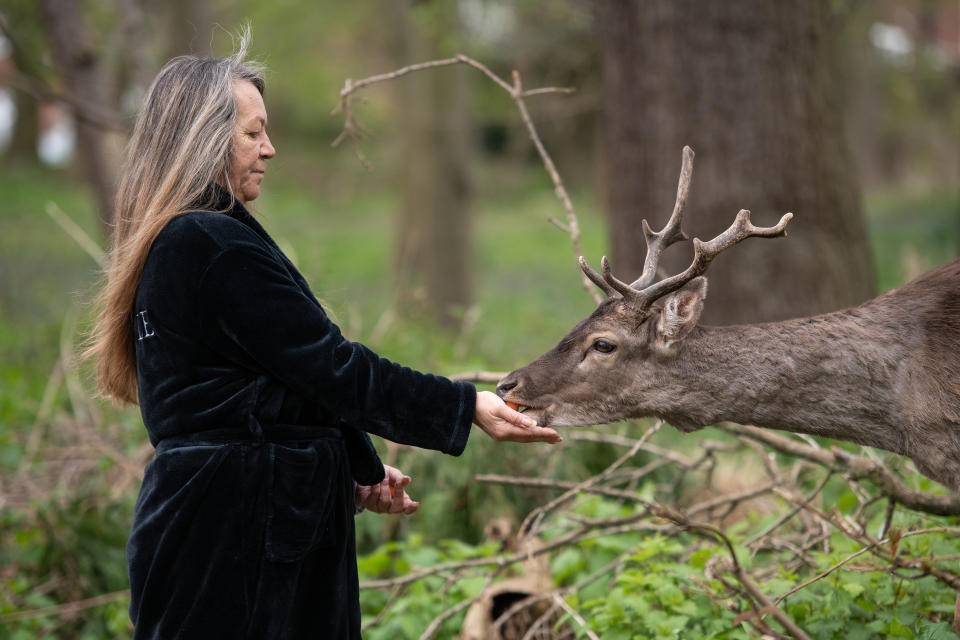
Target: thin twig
(531, 523)
(859, 467)
(65, 609)
(562, 603)
(538, 624)
(859, 553)
(780, 522)
(437, 622)
(394, 596)
(351, 130)
(79, 235)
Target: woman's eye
(603, 346)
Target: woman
(257, 405)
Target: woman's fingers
(397, 495)
(504, 424)
(389, 495)
(383, 497)
(514, 417)
(513, 433)
(409, 506)
(516, 427)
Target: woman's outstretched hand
(503, 424)
(389, 496)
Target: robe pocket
(301, 502)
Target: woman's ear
(680, 314)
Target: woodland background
(430, 241)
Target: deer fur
(884, 374)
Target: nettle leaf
(458, 550)
(799, 611)
(672, 625)
(853, 588)
(670, 595)
(374, 564)
(469, 587)
(566, 564)
(935, 631)
(866, 604)
(897, 629)
(423, 557)
(699, 558)
(636, 604)
(847, 501)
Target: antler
(671, 232)
(645, 291)
(657, 241)
(705, 252)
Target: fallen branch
(65, 609)
(858, 467)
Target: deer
(884, 374)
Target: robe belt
(277, 433)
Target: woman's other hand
(503, 424)
(389, 496)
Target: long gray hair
(181, 144)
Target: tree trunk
(432, 249)
(751, 86)
(191, 25)
(78, 62)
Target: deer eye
(603, 346)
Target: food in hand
(513, 405)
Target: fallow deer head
(611, 365)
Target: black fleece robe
(259, 409)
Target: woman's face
(251, 145)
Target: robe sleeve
(249, 299)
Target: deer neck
(833, 375)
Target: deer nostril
(504, 387)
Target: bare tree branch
(65, 609)
(353, 131)
(858, 467)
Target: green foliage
(659, 589)
(656, 596)
(66, 551)
(425, 599)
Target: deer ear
(680, 314)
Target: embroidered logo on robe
(144, 328)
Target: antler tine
(657, 241)
(595, 277)
(629, 293)
(705, 252)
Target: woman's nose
(267, 151)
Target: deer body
(884, 374)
